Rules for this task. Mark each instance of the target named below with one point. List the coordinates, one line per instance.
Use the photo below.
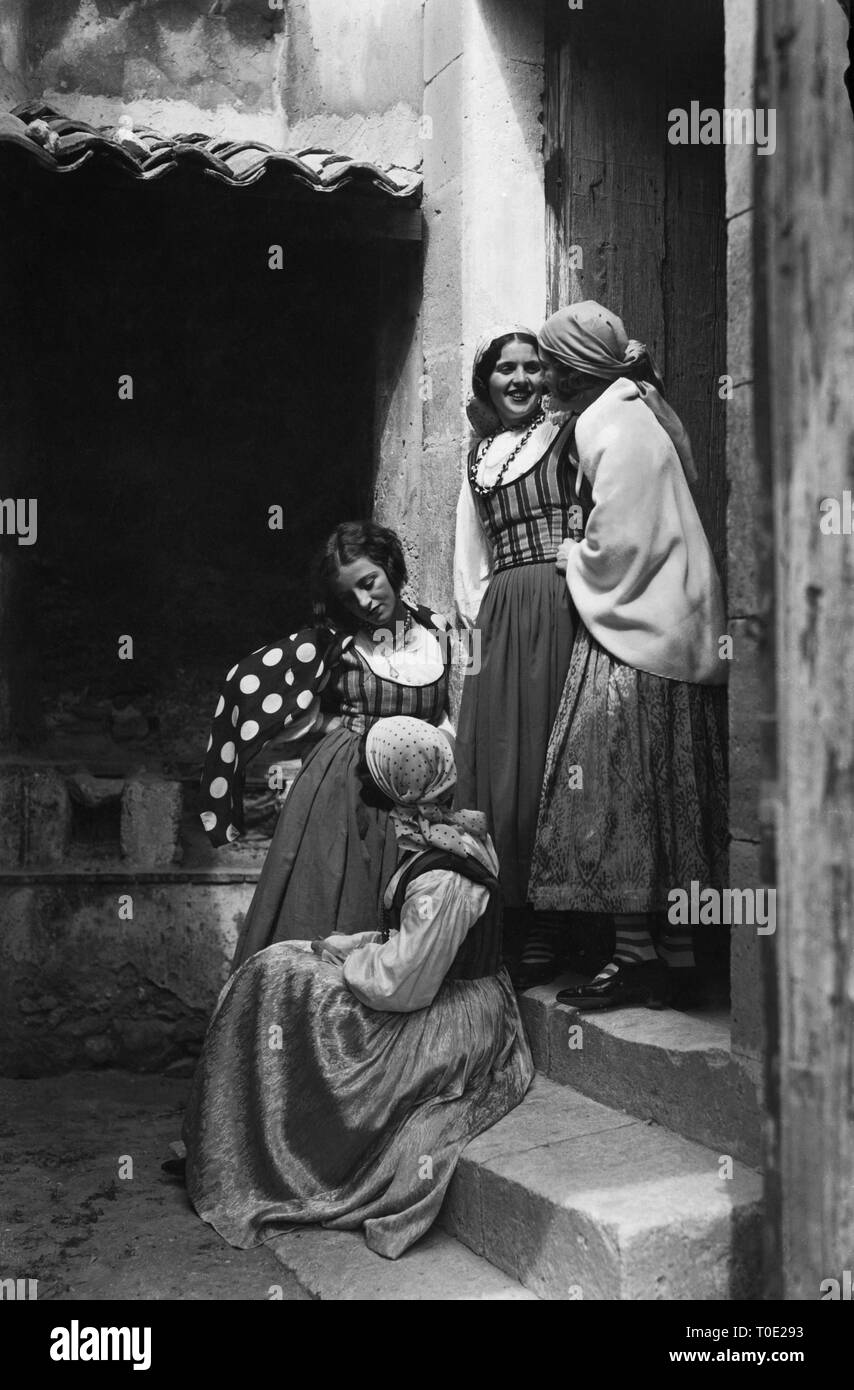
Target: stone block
(739, 94)
(47, 817)
(442, 318)
(95, 792)
(440, 488)
(671, 1067)
(739, 354)
(338, 1266)
(746, 951)
(443, 35)
(740, 164)
(743, 506)
(11, 819)
(151, 820)
(746, 702)
(597, 1206)
(443, 119)
(443, 408)
(534, 1007)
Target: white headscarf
(483, 417)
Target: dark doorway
(252, 388)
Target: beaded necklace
(486, 491)
(407, 625)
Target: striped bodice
(526, 520)
(361, 697)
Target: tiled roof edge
(63, 145)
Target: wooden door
(647, 216)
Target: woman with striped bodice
(518, 504)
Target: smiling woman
(516, 507)
(333, 850)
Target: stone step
(338, 1265)
(672, 1067)
(576, 1200)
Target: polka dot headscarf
(412, 763)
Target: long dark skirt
(344, 1116)
(330, 857)
(635, 793)
(526, 624)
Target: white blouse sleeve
(472, 557)
(406, 972)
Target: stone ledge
(337, 1265)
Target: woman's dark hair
(353, 540)
(486, 366)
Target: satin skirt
(308, 1107)
(526, 625)
(635, 792)
(330, 857)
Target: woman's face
(364, 589)
(565, 386)
(516, 383)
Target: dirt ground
(69, 1219)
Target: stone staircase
(577, 1200)
(672, 1067)
(649, 1195)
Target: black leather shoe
(641, 983)
(527, 976)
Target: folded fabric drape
(644, 579)
(593, 340)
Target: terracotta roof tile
(64, 145)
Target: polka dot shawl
(275, 689)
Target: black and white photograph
(426, 667)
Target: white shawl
(643, 578)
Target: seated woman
(370, 656)
(340, 1085)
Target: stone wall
(484, 223)
(170, 64)
(350, 78)
(14, 86)
(83, 985)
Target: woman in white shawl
(634, 797)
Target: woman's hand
(333, 949)
(563, 554)
(336, 948)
